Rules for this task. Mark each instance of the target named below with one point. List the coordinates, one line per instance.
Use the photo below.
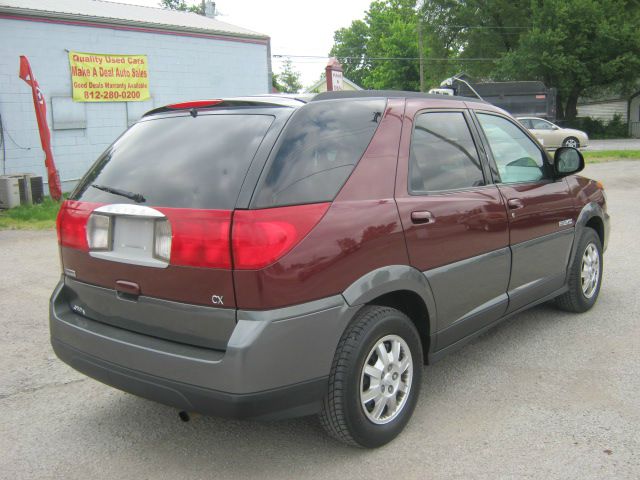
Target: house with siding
(627, 108)
(189, 57)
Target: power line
(315, 58)
(488, 27)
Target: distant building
(627, 108)
(321, 86)
(189, 57)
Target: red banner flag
(45, 135)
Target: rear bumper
(275, 364)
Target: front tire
(585, 274)
(572, 142)
(375, 378)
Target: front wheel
(571, 142)
(375, 378)
(585, 274)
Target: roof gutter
(89, 20)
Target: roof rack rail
(386, 94)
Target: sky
(296, 27)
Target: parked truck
(520, 99)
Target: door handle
(422, 217)
(514, 203)
(127, 290)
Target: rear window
(181, 162)
(317, 151)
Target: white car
(553, 136)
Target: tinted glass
(317, 151)
(182, 162)
(517, 157)
(525, 122)
(443, 155)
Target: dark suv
(273, 257)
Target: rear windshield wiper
(136, 197)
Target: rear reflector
(200, 238)
(260, 237)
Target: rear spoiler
(257, 101)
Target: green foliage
(598, 129)
(465, 31)
(182, 6)
(350, 48)
(369, 48)
(287, 81)
(37, 216)
(597, 156)
(575, 45)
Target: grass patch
(597, 156)
(39, 216)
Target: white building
(627, 108)
(189, 57)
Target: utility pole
(420, 51)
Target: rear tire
(370, 397)
(585, 274)
(571, 142)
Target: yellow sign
(109, 78)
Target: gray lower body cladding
(275, 364)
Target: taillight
(162, 240)
(199, 238)
(72, 224)
(99, 232)
(260, 237)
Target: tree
(182, 6)
(350, 48)
(287, 81)
(381, 51)
(471, 35)
(576, 46)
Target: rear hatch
(145, 237)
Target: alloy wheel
(385, 381)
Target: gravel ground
(544, 395)
(619, 144)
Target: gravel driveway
(544, 395)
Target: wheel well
(596, 224)
(412, 306)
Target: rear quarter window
(317, 151)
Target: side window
(443, 155)
(317, 151)
(541, 125)
(517, 157)
(526, 122)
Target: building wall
(634, 119)
(180, 68)
(604, 110)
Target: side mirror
(567, 161)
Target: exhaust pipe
(184, 416)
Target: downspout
(269, 70)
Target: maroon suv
(273, 257)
